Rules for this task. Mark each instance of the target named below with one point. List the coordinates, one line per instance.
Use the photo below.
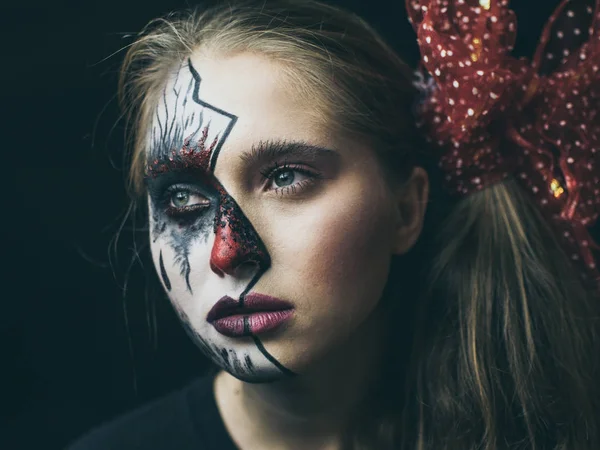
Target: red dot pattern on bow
(494, 115)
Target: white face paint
(317, 250)
(186, 137)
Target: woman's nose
(236, 242)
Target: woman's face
(271, 235)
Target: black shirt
(186, 419)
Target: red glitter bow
(495, 115)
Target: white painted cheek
(207, 289)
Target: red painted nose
(236, 241)
(227, 252)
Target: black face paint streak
(225, 358)
(180, 155)
(246, 324)
(182, 259)
(171, 136)
(276, 363)
(196, 98)
(158, 226)
(163, 272)
(249, 363)
(224, 355)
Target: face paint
(186, 138)
(163, 273)
(255, 204)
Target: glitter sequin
(494, 115)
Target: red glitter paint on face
(195, 156)
(236, 241)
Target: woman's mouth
(257, 314)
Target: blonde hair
(506, 344)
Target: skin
(316, 230)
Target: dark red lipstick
(259, 314)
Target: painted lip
(260, 313)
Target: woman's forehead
(230, 103)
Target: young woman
(370, 262)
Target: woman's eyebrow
(264, 152)
(260, 154)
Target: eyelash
(270, 172)
(183, 211)
(268, 175)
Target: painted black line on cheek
(183, 236)
(181, 246)
(163, 272)
(187, 275)
(257, 341)
(182, 258)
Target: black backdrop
(75, 349)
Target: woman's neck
(311, 410)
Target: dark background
(76, 347)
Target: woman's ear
(410, 206)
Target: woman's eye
(284, 178)
(184, 202)
(180, 199)
(290, 180)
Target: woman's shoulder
(187, 418)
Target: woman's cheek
(339, 252)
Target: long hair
(505, 344)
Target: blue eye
(288, 179)
(180, 198)
(284, 178)
(183, 201)
(184, 198)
